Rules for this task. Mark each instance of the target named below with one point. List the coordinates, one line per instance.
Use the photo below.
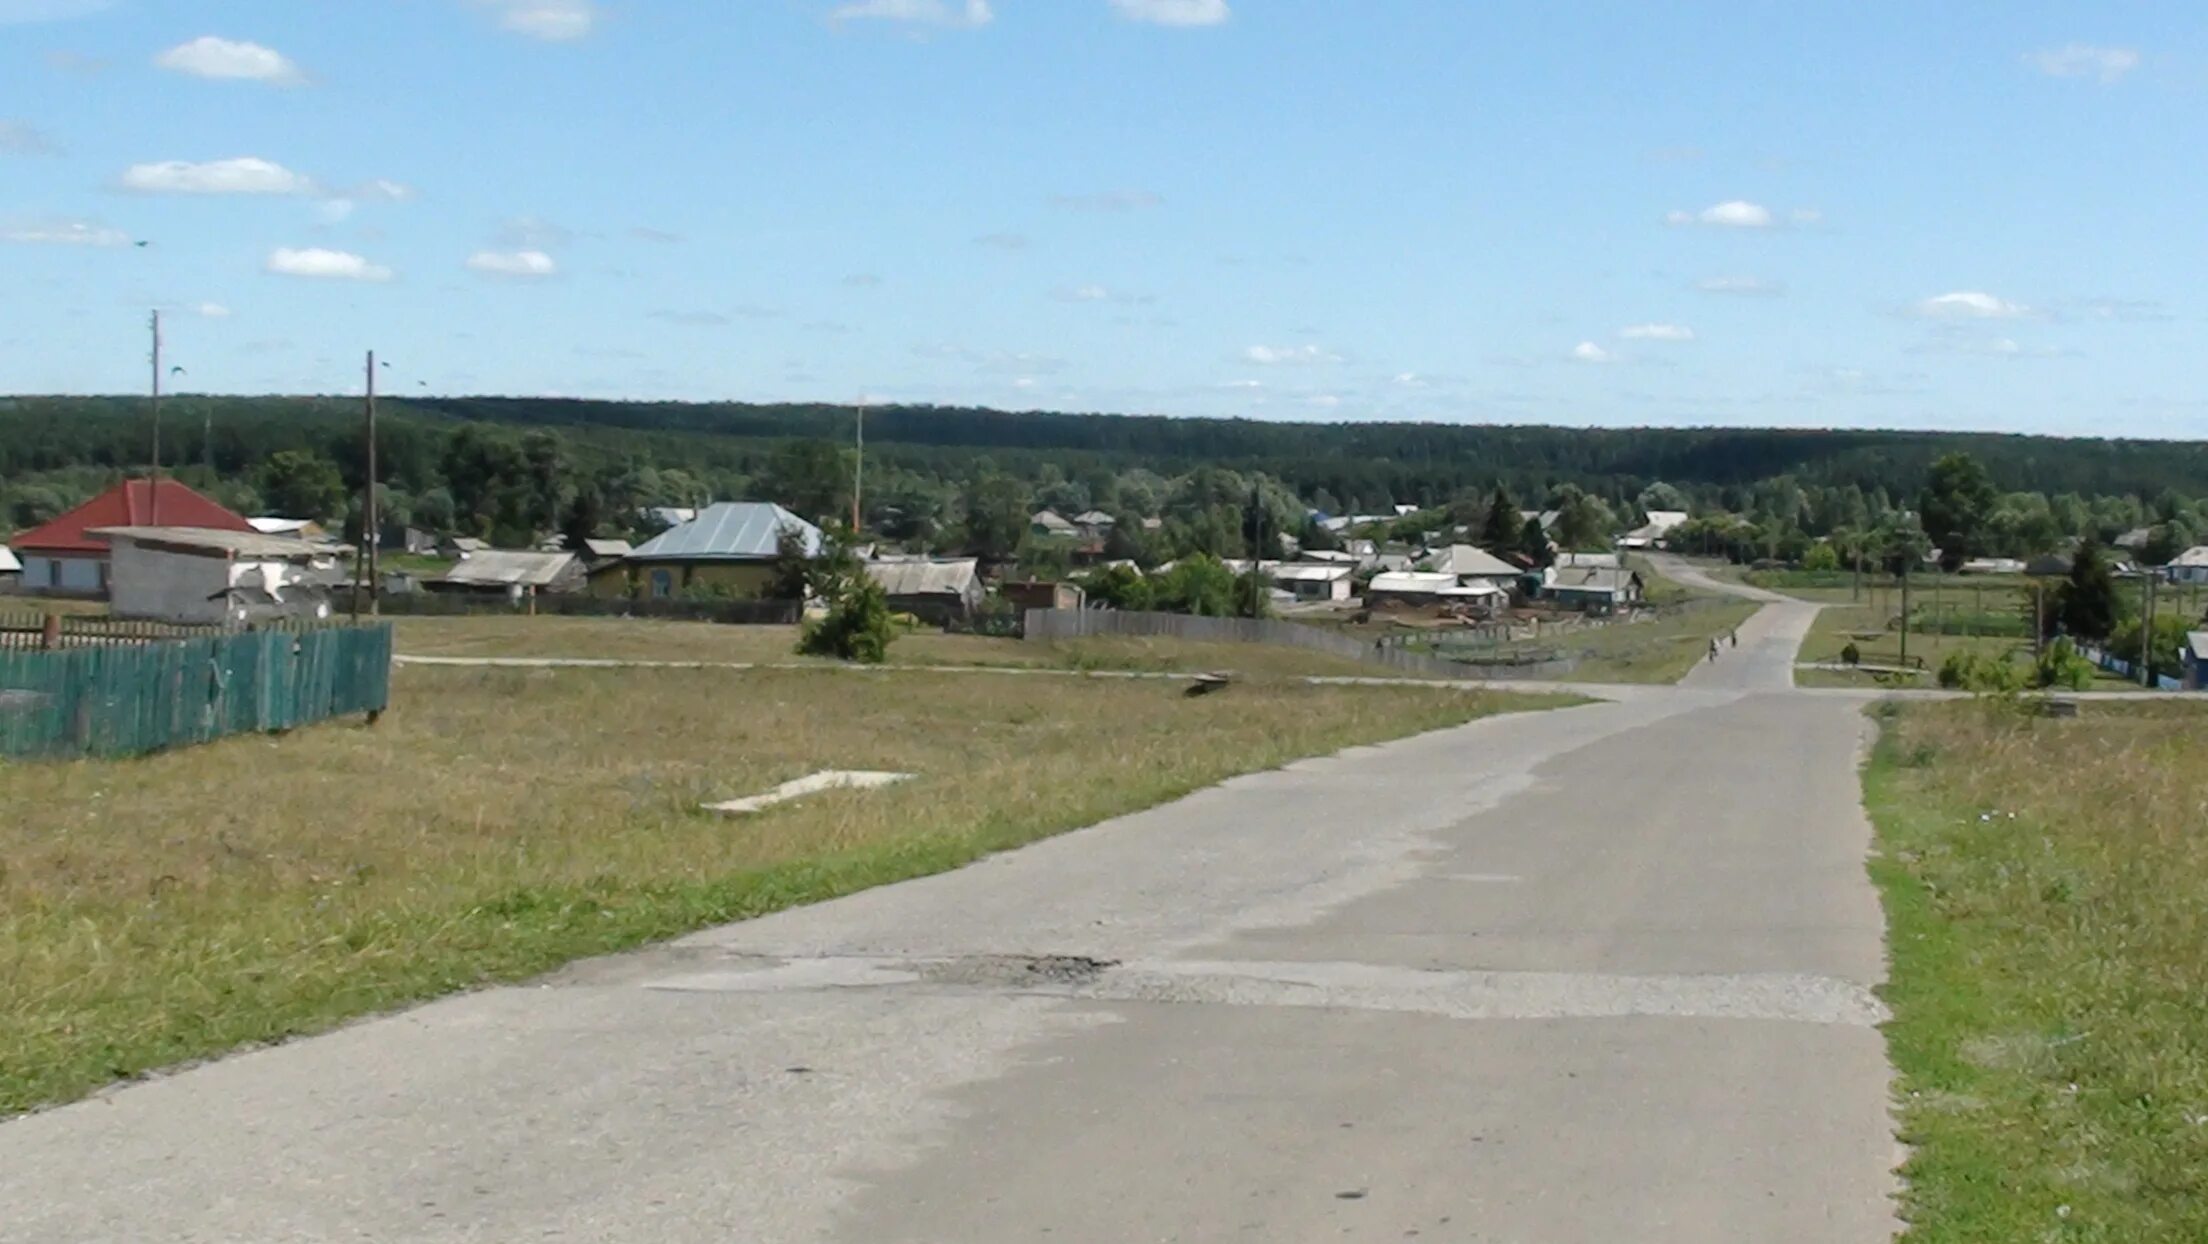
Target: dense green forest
(951, 477)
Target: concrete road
(1601, 974)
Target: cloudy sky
(1869, 214)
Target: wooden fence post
(49, 637)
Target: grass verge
(499, 822)
(654, 640)
(2045, 885)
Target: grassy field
(651, 640)
(2046, 886)
(499, 822)
(1660, 651)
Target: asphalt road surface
(1602, 974)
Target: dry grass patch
(2046, 885)
(636, 639)
(501, 821)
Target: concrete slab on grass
(810, 784)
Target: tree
(811, 478)
(790, 576)
(1958, 499)
(857, 626)
(1533, 541)
(1118, 587)
(583, 518)
(1253, 594)
(299, 483)
(1821, 557)
(2087, 603)
(1662, 496)
(1503, 527)
(996, 517)
(1199, 584)
(1583, 522)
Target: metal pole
(153, 517)
(371, 526)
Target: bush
(1982, 675)
(1851, 655)
(857, 626)
(1821, 558)
(2062, 665)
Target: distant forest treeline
(501, 466)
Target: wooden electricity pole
(371, 526)
(858, 465)
(153, 517)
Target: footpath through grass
(2046, 888)
(499, 822)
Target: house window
(663, 584)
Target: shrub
(2062, 665)
(1983, 675)
(857, 626)
(1851, 655)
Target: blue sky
(1814, 214)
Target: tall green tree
(2088, 605)
(299, 483)
(1502, 528)
(1533, 542)
(996, 517)
(1958, 500)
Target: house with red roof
(64, 558)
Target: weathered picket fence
(130, 698)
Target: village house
(1472, 566)
(1040, 595)
(462, 546)
(1308, 581)
(597, 552)
(2190, 566)
(929, 589)
(1429, 589)
(2196, 660)
(1094, 524)
(1587, 561)
(1651, 534)
(206, 576)
(512, 573)
(63, 558)
(729, 548)
(1592, 590)
(1052, 523)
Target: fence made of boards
(127, 699)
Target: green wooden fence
(130, 699)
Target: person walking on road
(1713, 648)
(1735, 637)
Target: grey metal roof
(1465, 560)
(1051, 520)
(607, 548)
(9, 564)
(728, 531)
(509, 567)
(927, 578)
(210, 540)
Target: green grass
(1660, 651)
(2045, 884)
(499, 822)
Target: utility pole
(2146, 628)
(858, 465)
(1855, 595)
(1908, 555)
(371, 527)
(153, 517)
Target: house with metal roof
(1052, 523)
(1421, 588)
(729, 549)
(1473, 565)
(512, 573)
(11, 569)
(63, 558)
(928, 588)
(2190, 566)
(1593, 589)
(1314, 580)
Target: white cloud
(1656, 332)
(18, 138)
(1174, 12)
(962, 14)
(1279, 356)
(63, 233)
(556, 21)
(210, 56)
(326, 265)
(211, 311)
(1970, 305)
(2081, 60)
(1410, 380)
(1108, 201)
(1589, 352)
(1745, 286)
(382, 189)
(1732, 214)
(242, 175)
(333, 211)
(525, 265)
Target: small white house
(1315, 581)
(200, 575)
(2190, 566)
(1651, 535)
